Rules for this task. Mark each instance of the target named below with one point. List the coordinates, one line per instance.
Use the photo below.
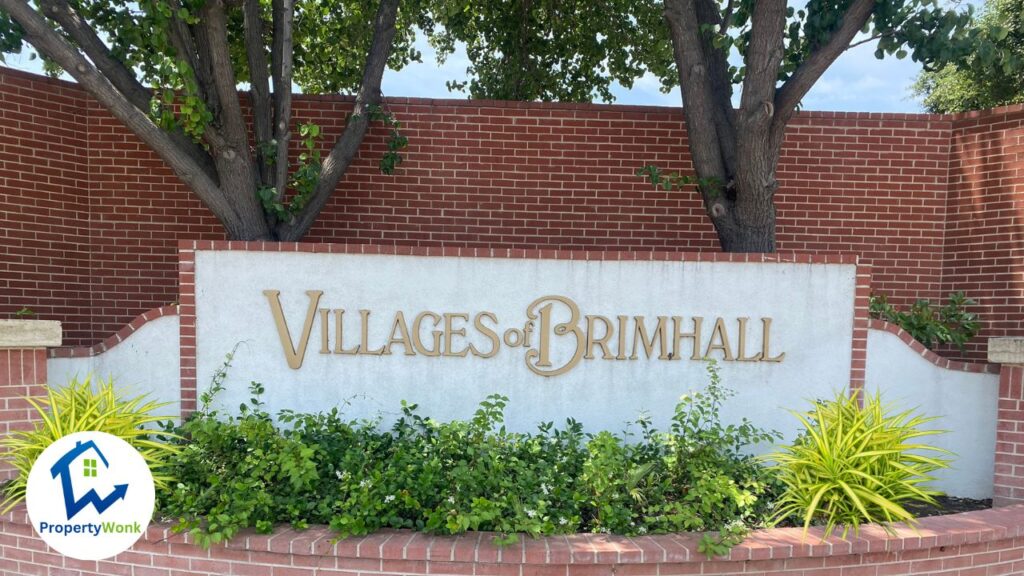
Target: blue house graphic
(62, 468)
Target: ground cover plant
(250, 471)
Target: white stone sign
(599, 341)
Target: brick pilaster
(23, 345)
(1008, 481)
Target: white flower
(562, 521)
(364, 483)
(642, 530)
(451, 499)
(389, 498)
(531, 513)
(544, 488)
(338, 474)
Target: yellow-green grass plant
(82, 407)
(854, 465)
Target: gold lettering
(416, 323)
(723, 341)
(478, 323)
(543, 351)
(293, 355)
(449, 331)
(741, 354)
(364, 335)
(766, 328)
(640, 337)
(403, 336)
(325, 347)
(339, 315)
(623, 322)
(677, 323)
(602, 341)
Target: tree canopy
(980, 81)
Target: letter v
(292, 354)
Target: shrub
(854, 465)
(245, 470)
(81, 407)
(951, 324)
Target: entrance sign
(598, 340)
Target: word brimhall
(589, 336)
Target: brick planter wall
(984, 543)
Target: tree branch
(793, 91)
(345, 148)
(259, 85)
(231, 121)
(119, 75)
(699, 100)
(281, 63)
(51, 44)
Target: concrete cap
(1008, 350)
(29, 333)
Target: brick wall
(984, 249)
(486, 174)
(985, 543)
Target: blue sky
(856, 82)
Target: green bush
(951, 324)
(854, 465)
(245, 470)
(82, 407)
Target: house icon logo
(106, 495)
(63, 468)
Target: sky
(856, 82)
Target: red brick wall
(985, 543)
(44, 201)
(22, 375)
(984, 249)
(492, 174)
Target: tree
(978, 82)
(772, 53)
(170, 70)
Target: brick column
(23, 345)
(1009, 471)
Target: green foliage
(82, 407)
(855, 465)
(951, 324)
(574, 50)
(245, 470)
(676, 181)
(549, 50)
(24, 312)
(983, 80)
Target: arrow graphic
(73, 506)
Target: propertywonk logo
(90, 495)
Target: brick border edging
(476, 548)
(978, 368)
(187, 283)
(115, 339)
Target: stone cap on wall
(1008, 350)
(29, 333)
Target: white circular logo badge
(90, 495)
